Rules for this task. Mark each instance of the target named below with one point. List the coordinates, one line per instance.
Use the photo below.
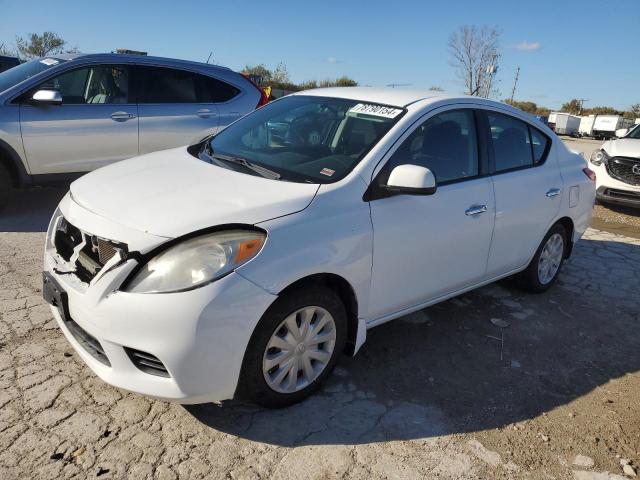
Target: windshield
(634, 133)
(306, 138)
(15, 75)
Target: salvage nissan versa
(247, 264)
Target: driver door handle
(122, 116)
(204, 113)
(475, 210)
(553, 192)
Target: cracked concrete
(432, 395)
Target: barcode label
(376, 110)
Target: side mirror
(621, 132)
(49, 97)
(411, 180)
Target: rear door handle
(553, 192)
(122, 116)
(204, 113)
(475, 210)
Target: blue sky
(565, 49)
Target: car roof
(398, 97)
(140, 59)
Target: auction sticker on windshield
(376, 110)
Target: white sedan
(247, 264)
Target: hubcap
(299, 349)
(550, 258)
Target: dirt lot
(442, 393)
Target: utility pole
(492, 69)
(581, 103)
(515, 82)
(209, 57)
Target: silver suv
(66, 115)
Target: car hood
(171, 193)
(622, 147)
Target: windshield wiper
(259, 169)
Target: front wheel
(295, 347)
(545, 266)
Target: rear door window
(511, 143)
(212, 90)
(166, 85)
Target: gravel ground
(441, 393)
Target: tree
(436, 88)
(573, 106)
(345, 81)
(4, 50)
(473, 52)
(259, 70)
(280, 74)
(529, 107)
(40, 45)
(634, 110)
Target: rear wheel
(295, 347)
(545, 266)
(6, 185)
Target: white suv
(617, 166)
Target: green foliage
(279, 79)
(572, 106)
(529, 107)
(35, 46)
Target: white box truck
(586, 125)
(605, 126)
(567, 124)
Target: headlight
(51, 231)
(196, 261)
(599, 156)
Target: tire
(531, 278)
(254, 385)
(6, 186)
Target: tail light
(263, 96)
(589, 173)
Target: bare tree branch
(472, 50)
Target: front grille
(88, 253)
(622, 194)
(147, 363)
(88, 342)
(106, 250)
(622, 168)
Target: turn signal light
(248, 249)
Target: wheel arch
(569, 227)
(10, 159)
(346, 293)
